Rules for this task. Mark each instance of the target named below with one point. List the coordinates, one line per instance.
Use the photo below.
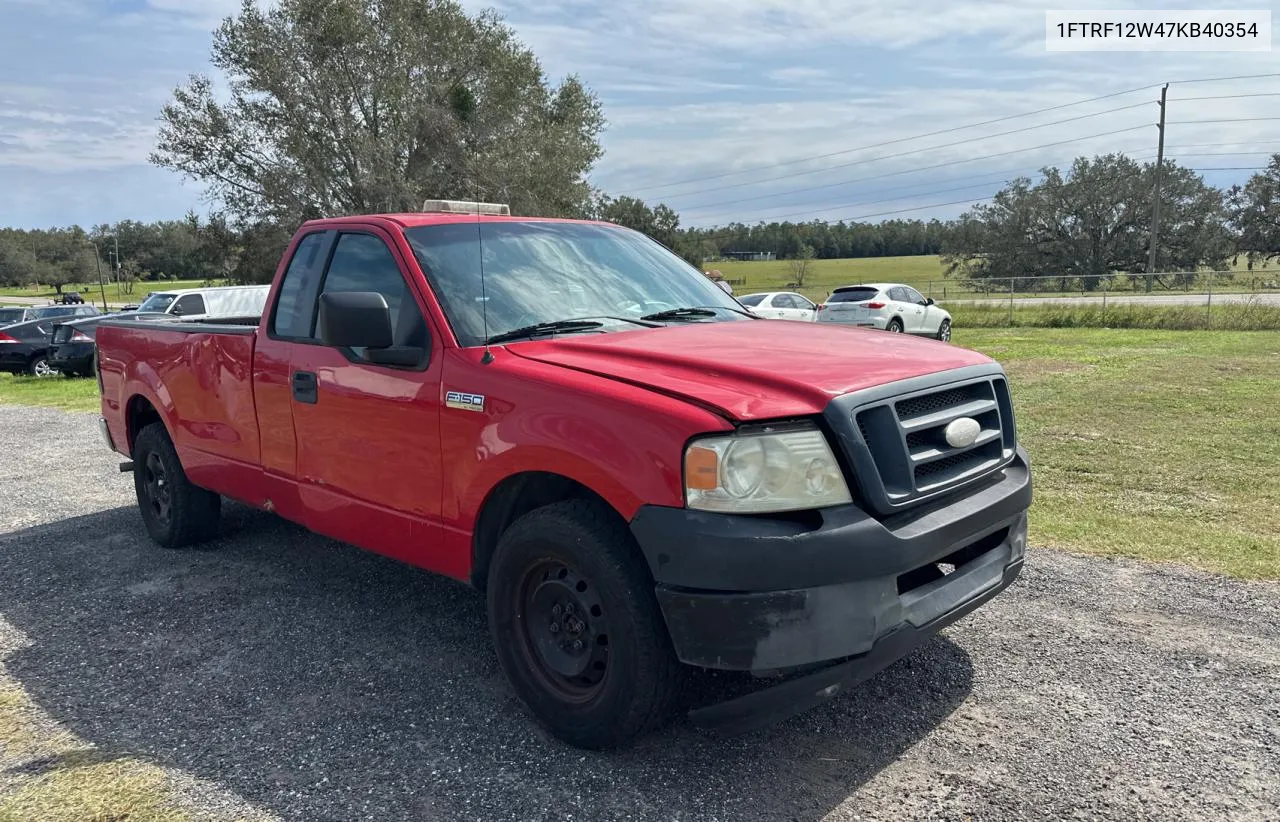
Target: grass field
(91, 292)
(1242, 316)
(1160, 445)
(924, 273)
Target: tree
(356, 107)
(1255, 214)
(1084, 227)
(801, 264)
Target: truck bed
(197, 375)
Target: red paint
(380, 461)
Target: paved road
(317, 682)
(1267, 298)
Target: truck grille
(904, 436)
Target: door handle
(304, 387)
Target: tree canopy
(359, 106)
(1255, 214)
(1090, 223)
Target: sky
(726, 110)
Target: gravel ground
(318, 682)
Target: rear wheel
(175, 512)
(40, 367)
(895, 326)
(944, 331)
(577, 629)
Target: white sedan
(888, 307)
(780, 305)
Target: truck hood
(756, 370)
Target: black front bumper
(837, 588)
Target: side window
(188, 305)
(782, 301)
(362, 262)
(898, 295)
(802, 302)
(296, 301)
(913, 295)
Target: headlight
(789, 468)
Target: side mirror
(929, 301)
(355, 319)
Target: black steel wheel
(176, 512)
(577, 628)
(565, 631)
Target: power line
(1232, 120)
(898, 140)
(914, 170)
(1225, 96)
(889, 199)
(826, 169)
(1005, 118)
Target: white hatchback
(780, 305)
(888, 307)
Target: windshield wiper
(679, 314)
(555, 327)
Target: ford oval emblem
(963, 432)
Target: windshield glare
(537, 272)
(156, 302)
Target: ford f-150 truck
(640, 475)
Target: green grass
(1251, 316)
(924, 273)
(68, 394)
(1157, 445)
(91, 291)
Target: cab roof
(416, 219)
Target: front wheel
(577, 629)
(895, 326)
(175, 512)
(944, 331)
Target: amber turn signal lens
(701, 469)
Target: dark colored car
(70, 298)
(72, 348)
(24, 348)
(10, 315)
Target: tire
(573, 565)
(39, 367)
(944, 331)
(894, 326)
(175, 512)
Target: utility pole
(116, 239)
(1155, 196)
(101, 287)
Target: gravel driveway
(318, 682)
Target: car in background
(70, 298)
(9, 316)
(889, 307)
(209, 303)
(780, 305)
(73, 346)
(24, 348)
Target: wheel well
(511, 499)
(139, 413)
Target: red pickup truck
(640, 475)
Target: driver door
(921, 315)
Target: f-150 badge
(467, 402)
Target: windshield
(539, 272)
(157, 302)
